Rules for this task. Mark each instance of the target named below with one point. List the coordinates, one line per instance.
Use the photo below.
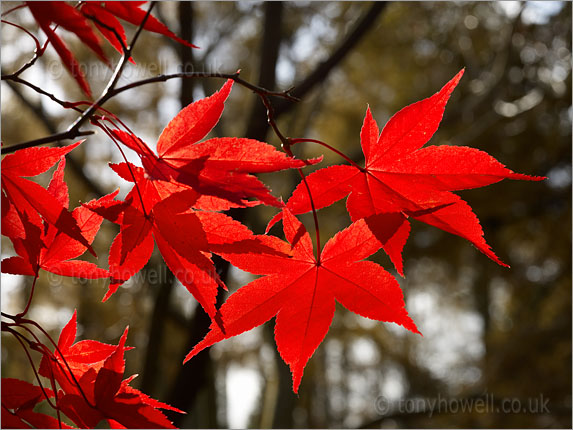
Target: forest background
(489, 332)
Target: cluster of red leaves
(176, 201)
(105, 16)
(46, 236)
(176, 193)
(92, 389)
(45, 245)
(400, 181)
(18, 401)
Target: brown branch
(73, 130)
(234, 76)
(319, 74)
(38, 51)
(62, 103)
(72, 162)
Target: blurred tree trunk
(156, 331)
(198, 374)
(195, 381)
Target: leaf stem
(314, 215)
(56, 349)
(19, 336)
(13, 9)
(331, 148)
(107, 27)
(38, 51)
(25, 311)
(112, 137)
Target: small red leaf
(33, 161)
(193, 123)
(96, 390)
(131, 11)
(68, 334)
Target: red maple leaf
(18, 401)
(97, 390)
(402, 177)
(30, 200)
(219, 169)
(63, 15)
(108, 12)
(301, 290)
(46, 247)
(177, 231)
(77, 357)
(105, 17)
(184, 237)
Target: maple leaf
(48, 248)
(105, 17)
(218, 169)
(78, 357)
(108, 12)
(18, 401)
(30, 200)
(180, 234)
(62, 14)
(102, 392)
(301, 290)
(402, 177)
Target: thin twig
(48, 122)
(64, 135)
(13, 9)
(57, 349)
(6, 327)
(73, 130)
(38, 52)
(318, 75)
(234, 76)
(314, 216)
(331, 148)
(108, 91)
(25, 311)
(64, 104)
(107, 27)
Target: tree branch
(320, 73)
(73, 130)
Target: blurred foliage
(488, 331)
